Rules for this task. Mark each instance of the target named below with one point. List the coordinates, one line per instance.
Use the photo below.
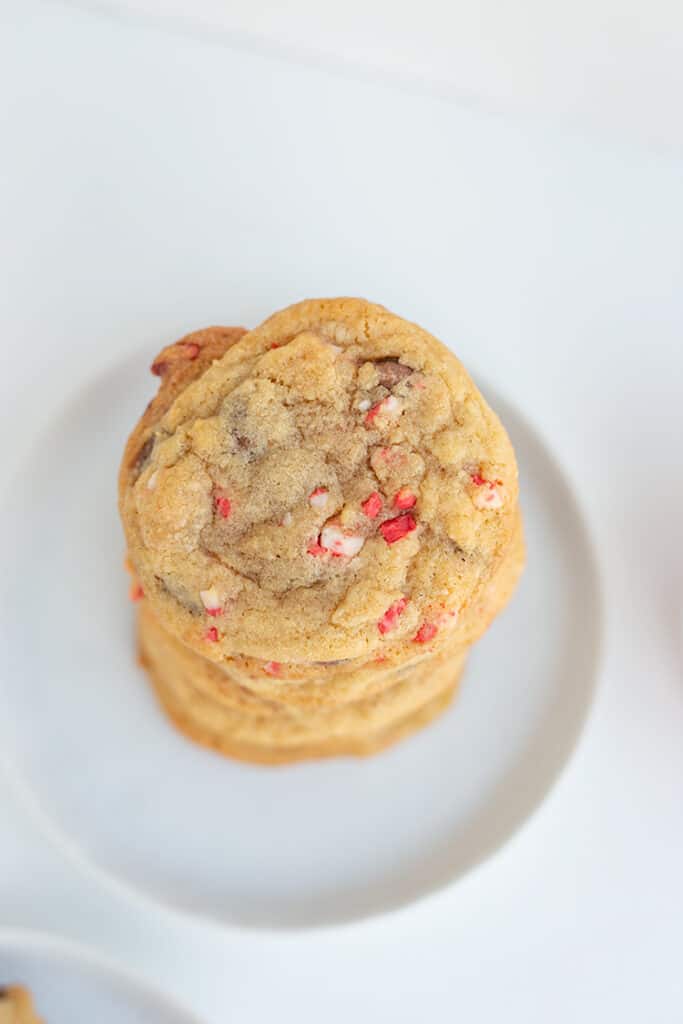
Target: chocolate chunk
(391, 372)
(244, 441)
(178, 593)
(245, 444)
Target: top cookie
(331, 485)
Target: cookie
(16, 1006)
(335, 685)
(259, 719)
(206, 735)
(332, 487)
(176, 366)
(277, 736)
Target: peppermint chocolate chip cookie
(328, 486)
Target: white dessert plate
(282, 847)
(71, 986)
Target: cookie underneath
(241, 724)
(245, 684)
(202, 721)
(356, 712)
(16, 1006)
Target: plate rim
(421, 895)
(60, 947)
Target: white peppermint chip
(364, 404)
(287, 519)
(318, 499)
(390, 406)
(336, 348)
(210, 599)
(488, 496)
(152, 481)
(333, 539)
(448, 620)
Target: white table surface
(554, 264)
(613, 66)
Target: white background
(613, 65)
(153, 181)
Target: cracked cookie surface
(332, 485)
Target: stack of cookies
(321, 517)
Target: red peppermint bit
(272, 668)
(372, 413)
(372, 506)
(136, 593)
(392, 615)
(211, 635)
(394, 529)
(404, 498)
(224, 506)
(477, 479)
(389, 405)
(276, 344)
(191, 349)
(213, 611)
(425, 633)
(315, 548)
